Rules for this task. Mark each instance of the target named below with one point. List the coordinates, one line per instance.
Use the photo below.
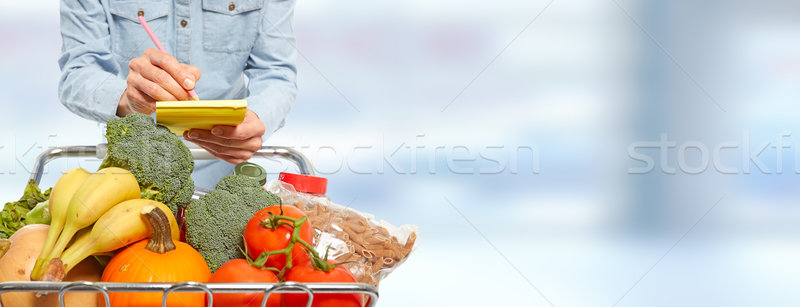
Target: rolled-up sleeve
(90, 83)
(271, 70)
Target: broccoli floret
(244, 185)
(158, 159)
(216, 221)
(235, 184)
(212, 223)
(183, 197)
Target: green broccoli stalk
(158, 159)
(216, 221)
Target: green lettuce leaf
(31, 208)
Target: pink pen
(159, 45)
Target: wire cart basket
(104, 288)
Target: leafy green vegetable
(216, 221)
(39, 214)
(158, 159)
(31, 208)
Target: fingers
(148, 88)
(140, 103)
(240, 132)
(183, 74)
(226, 158)
(229, 154)
(194, 71)
(251, 144)
(165, 81)
(166, 72)
(234, 144)
(250, 127)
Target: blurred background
(552, 153)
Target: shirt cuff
(273, 113)
(106, 98)
(268, 119)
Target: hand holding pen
(156, 76)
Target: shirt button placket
(183, 34)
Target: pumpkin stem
(161, 240)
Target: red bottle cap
(304, 183)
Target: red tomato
(238, 270)
(299, 256)
(262, 239)
(305, 273)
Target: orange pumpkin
(159, 259)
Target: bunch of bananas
(92, 214)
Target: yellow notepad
(180, 116)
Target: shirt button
(231, 7)
(183, 23)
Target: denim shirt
(245, 49)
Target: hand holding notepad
(234, 144)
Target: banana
(120, 226)
(100, 192)
(62, 193)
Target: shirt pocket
(230, 26)
(130, 38)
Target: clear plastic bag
(374, 248)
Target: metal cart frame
(104, 288)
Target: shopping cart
(99, 151)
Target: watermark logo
(743, 156)
(420, 157)
(377, 155)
